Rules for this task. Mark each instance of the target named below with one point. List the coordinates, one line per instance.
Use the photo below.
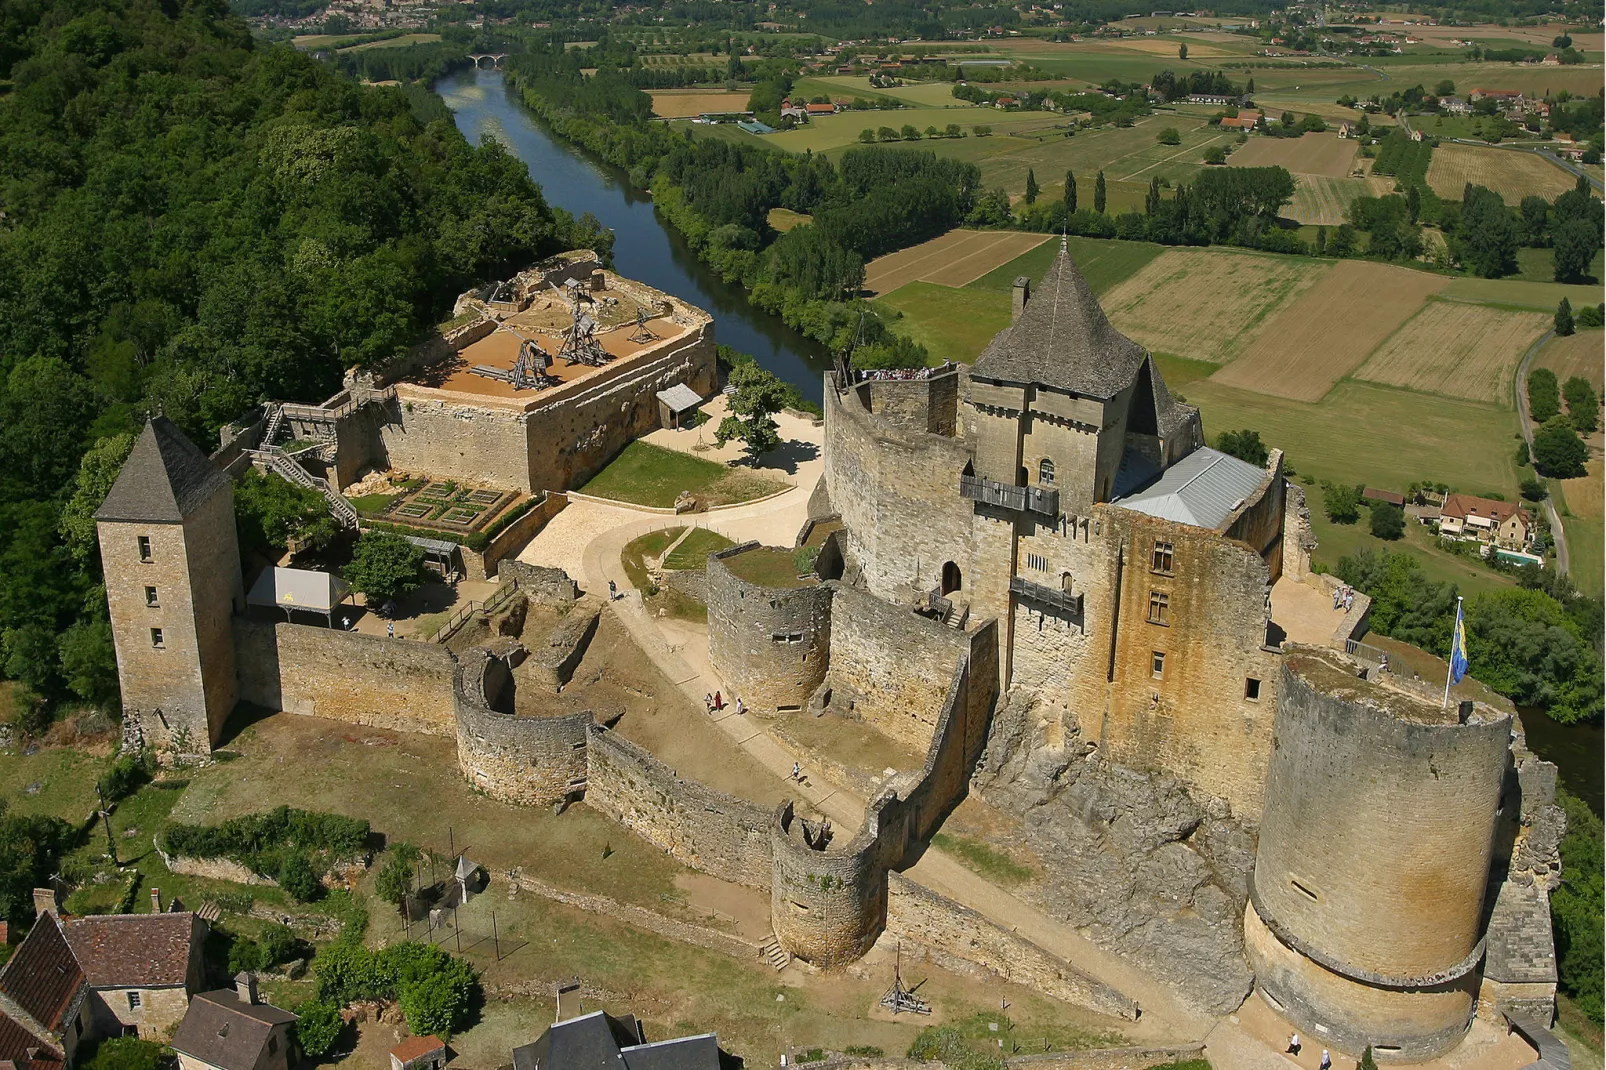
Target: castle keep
(1039, 581)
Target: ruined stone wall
(513, 538)
(346, 676)
(460, 436)
(541, 585)
(892, 664)
(702, 828)
(769, 644)
(898, 494)
(1373, 857)
(1258, 522)
(532, 761)
(1298, 541)
(920, 915)
(551, 664)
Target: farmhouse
(1455, 105)
(1245, 120)
(232, 1029)
(1485, 521)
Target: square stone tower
(173, 584)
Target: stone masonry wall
(533, 761)
(918, 914)
(894, 665)
(897, 492)
(346, 676)
(827, 905)
(770, 644)
(702, 828)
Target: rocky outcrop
(1146, 869)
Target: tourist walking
(1293, 1043)
(1327, 1060)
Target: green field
(1543, 296)
(957, 323)
(1378, 435)
(826, 133)
(918, 94)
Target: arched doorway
(950, 577)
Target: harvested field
(1318, 339)
(1464, 351)
(1313, 154)
(1577, 354)
(1514, 175)
(681, 104)
(1201, 303)
(404, 41)
(955, 259)
(1324, 202)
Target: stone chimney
(245, 986)
(46, 901)
(156, 900)
(1022, 294)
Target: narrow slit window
(144, 547)
(156, 639)
(1158, 665)
(1304, 891)
(150, 597)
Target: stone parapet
(533, 761)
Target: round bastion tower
(1364, 923)
(771, 643)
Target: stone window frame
(143, 542)
(1251, 689)
(152, 600)
(158, 639)
(1162, 558)
(1159, 608)
(1045, 472)
(788, 638)
(134, 1000)
(1157, 665)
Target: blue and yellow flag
(1458, 646)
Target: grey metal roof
(1063, 341)
(433, 546)
(679, 398)
(297, 588)
(165, 479)
(1202, 489)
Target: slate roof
(599, 1041)
(42, 976)
(590, 1042)
(164, 480)
(680, 397)
(134, 950)
(1202, 489)
(221, 1031)
(1063, 340)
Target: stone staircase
(286, 467)
(773, 953)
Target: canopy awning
(298, 588)
(679, 398)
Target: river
(645, 247)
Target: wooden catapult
(529, 370)
(901, 1000)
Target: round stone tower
(772, 643)
(828, 905)
(1364, 923)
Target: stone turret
(173, 584)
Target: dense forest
(194, 223)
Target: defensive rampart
(533, 761)
(700, 827)
(345, 676)
(770, 644)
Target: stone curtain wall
(898, 493)
(705, 829)
(894, 665)
(829, 906)
(346, 676)
(532, 761)
(751, 630)
(1366, 908)
(513, 538)
(947, 928)
(1089, 1059)
(480, 439)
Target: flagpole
(1455, 636)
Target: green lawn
(636, 551)
(768, 566)
(693, 552)
(1103, 263)
(65, 779)
(1378, 435)
(953, 324)
(649, 475)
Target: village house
(1486, 521)
(1455, 105)
(1245, 120)
(141, 969)
(600, 1041)
(793, 111)
(232, 1029)
(1507, 99)
(820, 109)
(44, 999)
(419, 1053)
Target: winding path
(1563, 561)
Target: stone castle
(1045, 583)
